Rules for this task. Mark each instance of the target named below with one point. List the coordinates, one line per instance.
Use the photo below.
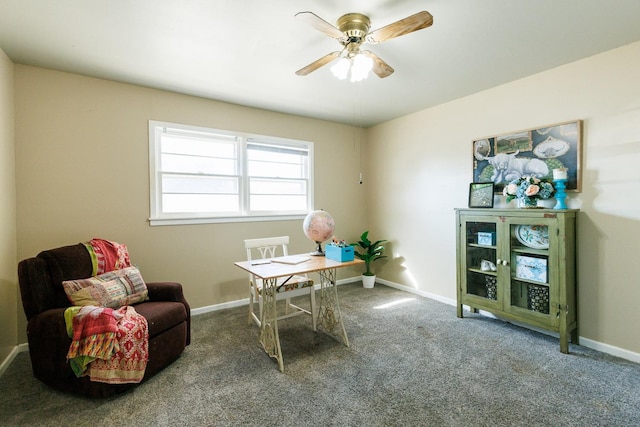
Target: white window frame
(158, 217)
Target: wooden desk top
(276, 269)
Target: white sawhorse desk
(329, 316)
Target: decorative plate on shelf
(533, 236)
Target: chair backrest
(41, 277)
(267, 247)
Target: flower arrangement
(338, 242)
(529, 189)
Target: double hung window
(200, 175)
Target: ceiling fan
(352, 31)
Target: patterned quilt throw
(111, 346)
(107, 255)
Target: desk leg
(269, 337)
(329, 315)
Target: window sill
(221, 220)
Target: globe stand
(318, 251)
(318, 226)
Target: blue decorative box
(486, 238)
(339, 253)
(531, 268)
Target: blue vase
(560, 193)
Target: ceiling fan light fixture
(352, 31)
(360, 67)
(341, 68)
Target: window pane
(198, 154)
(276, 187)
(276, 170)
(256, 146)
(193, 164)
(277, 161)
(273, 203)
(200, 203)
(199, 184)
(276, 156)
(198, 146)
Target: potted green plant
(368, 251)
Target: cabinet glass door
(480, 260)
(531, 267)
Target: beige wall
(81, 167)
(423, 163)
(82, 172)
(8, 272)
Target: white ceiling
(246, 51)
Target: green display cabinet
(520, 265)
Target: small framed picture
(481, 194)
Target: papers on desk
(291, 259)
(260, 261)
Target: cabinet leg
(564, 342)
(461, 310)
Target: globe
(318, 226)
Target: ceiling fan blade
(319, 24)
(317, 64)
(404, 26)
(381, 68)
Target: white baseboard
(586, 342)
(14, 352)
(245, 301)
(218, 307)
(415, 291)
(194, 312)
(610, 349)
(605, 348)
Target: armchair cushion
(161, 316)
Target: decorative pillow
(107, 255)
(113, 289)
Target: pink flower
(511, 189)
(532, 190)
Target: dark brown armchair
(44, 301)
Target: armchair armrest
(170, 291)
(48, 346)
(166, 291)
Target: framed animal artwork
(533, 152)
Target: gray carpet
(411, 364)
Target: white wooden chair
(295, 286)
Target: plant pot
(368, 281)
